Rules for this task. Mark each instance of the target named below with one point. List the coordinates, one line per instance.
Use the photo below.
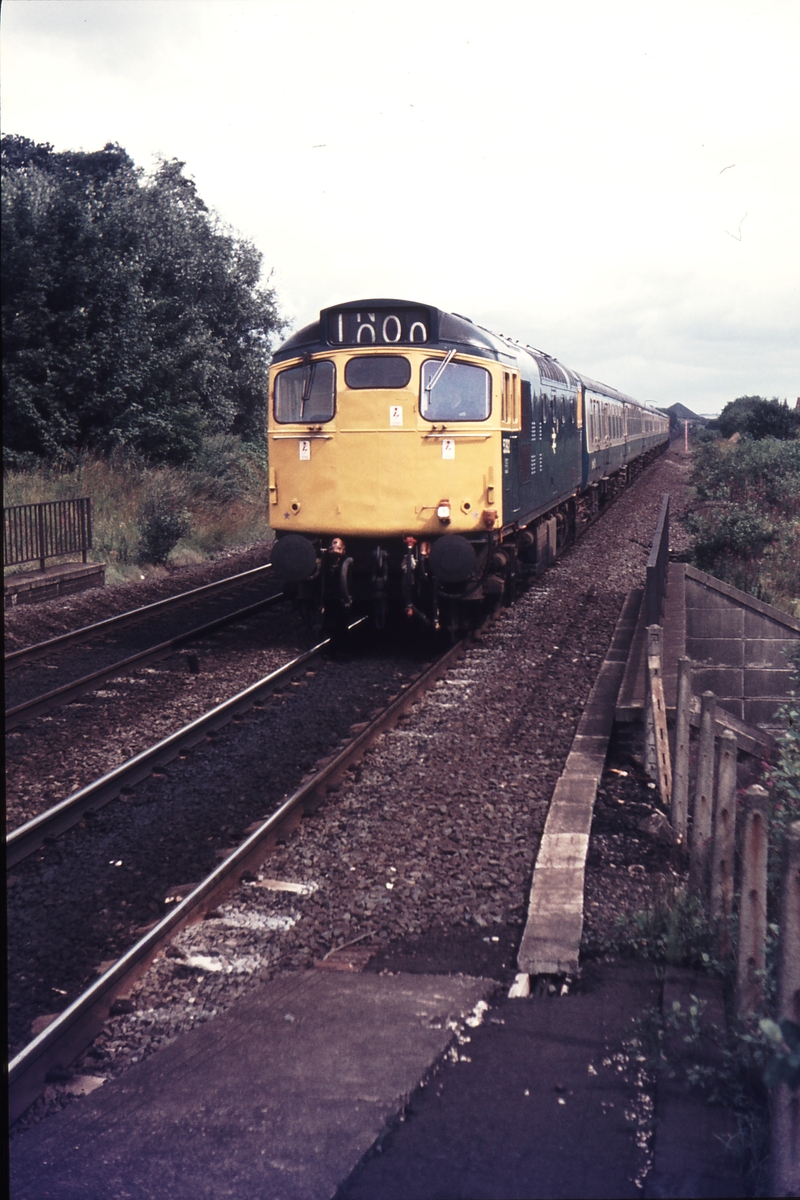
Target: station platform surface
(58, 579)
(283, 1096)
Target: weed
(676, 930)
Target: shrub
(163, 520)
(749, 532)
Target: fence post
(40, 532)
(655, 692)
(87, 530)
(753, 903)
(785, 1117)
(679, 805)
(724, 840)
(703, 797)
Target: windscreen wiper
(430, 386)
(307, 380)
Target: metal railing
(657, 566)
(36, 532)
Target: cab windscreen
(306, 393)
(454, 392)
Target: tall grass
(220, 501)
(747, 528)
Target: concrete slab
(571, 818)
(760, 712)
(722, 652)
(767, 681)
(768, 652)
(722, 681)
(590, 745)
(768, 622)
(58, 579)
(279, 1097)
(585, 764)
(543, 1107)
(575, 789)
(722, 621)
(563, 849)
(555, 890)
(551, 940)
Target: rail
(63, 1040)
(77, 687)
(121, 620)
(657, 565)
(36, 532)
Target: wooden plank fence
(718, 820)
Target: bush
(749, 531)
(163, 521)
(731, 531)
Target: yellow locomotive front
(385, 460)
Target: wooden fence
(728, 840)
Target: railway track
(452, 803)
(26, 654)
(61, 1042)
(34, 707)
(27, 838)
(127, 641)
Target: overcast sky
(616, 182)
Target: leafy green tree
(773, 419)
(132, 317)
(758, 418)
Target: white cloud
(556, 170)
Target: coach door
(526, 449)
(511, 449)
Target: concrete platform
(548, 1101)
(552, 937)
(280, 1097)
(60, 579)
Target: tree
(132, 316)
(758, 418)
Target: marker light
(443, 511)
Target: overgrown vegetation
(747, 524)
(737, 1065)
(148, 514)
(133, 318)
(755, 417)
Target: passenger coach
(418, 459)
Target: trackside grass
(148, 517)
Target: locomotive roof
(448, 330)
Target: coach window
(378, 371)
(460, 392)
(306, 393)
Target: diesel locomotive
(420, 462)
